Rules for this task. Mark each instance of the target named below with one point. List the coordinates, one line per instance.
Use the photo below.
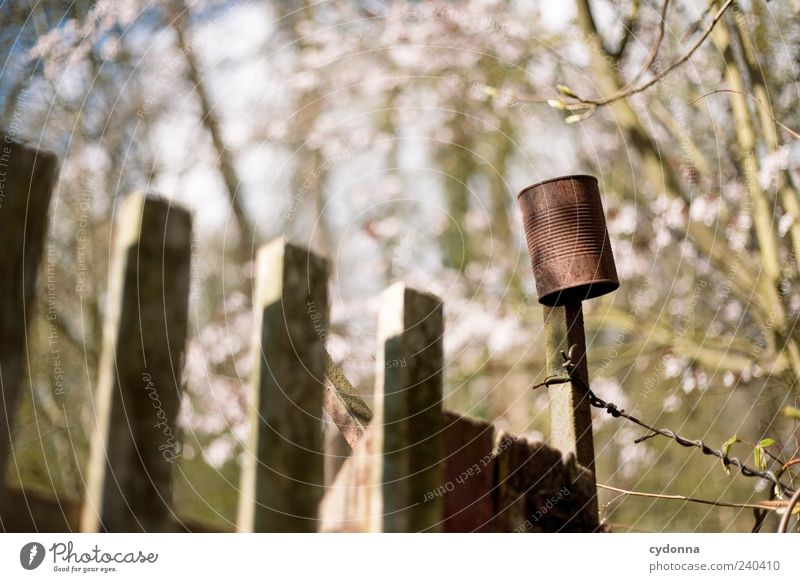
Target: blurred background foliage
(392, 136)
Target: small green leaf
(556, 104)
(792, 412)
(759, 455)
(564, 90)
(759, 458)
(726, 449)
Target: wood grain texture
(468, 488)
(384, 483)
(26, 182)
(540, 490)
(24, 511)
(282, 479)
(136, 444)
(570, 411)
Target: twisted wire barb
(616, 412)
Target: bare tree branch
(212, 124)
(651, 57)
(761, 104)
(766, 505)
(629, 90)
(628, 27)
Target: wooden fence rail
(413, 467)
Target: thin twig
(632, 90)
(767, 506)
(783, 527)
(783, 126)
(628, 26)
(789, 463)
(616, 412)
(656, 45)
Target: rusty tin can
(565, 227)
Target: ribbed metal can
(565, 227)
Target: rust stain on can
(565, 227)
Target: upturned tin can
(565, 227)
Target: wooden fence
(413, 466)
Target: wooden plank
(469, 503)
(26, 181)
(383, 485)
(337, 450)
(282, 477)
(135, 443)
(540, 490)
(29, 511)
(570, 411)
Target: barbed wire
(616, 412)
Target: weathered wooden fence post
(570, 412)
(387, 484)
(541, 489)
(410, 366)
(468, 489)
(26, 180)
(571, 256)
(136, 443)
(282, 480)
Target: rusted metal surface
(568, 241)
(571, 256)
